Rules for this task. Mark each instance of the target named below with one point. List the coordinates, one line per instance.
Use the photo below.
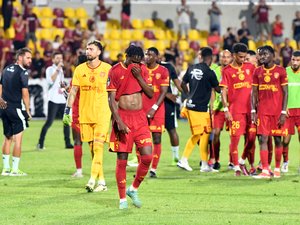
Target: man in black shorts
(15, 113)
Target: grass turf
(48, 195)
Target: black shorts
(14, 121)
(170, 115)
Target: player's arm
(284, 105)
(113, 105)
(177, 83)
(184, 88)
(254, 101)
(26, 100)
(224, 92)
(161, 97)
(70, 100)
(211, 102)
(137, 73)
(3, 103)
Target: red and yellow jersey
(75, 106)
(159, 76)
(270, 94)
(122, 81)
(93, 102)
(238, 80)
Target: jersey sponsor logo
(146, 140)
(90, 88)
(26, 73)
(92, 79)
(11, 69)
(190, 104)
(267, 87)
(197, 74)
(242, 85)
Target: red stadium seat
(58, 22)
(148, 34)
(58, 12)
(195, 45)
(68, 34)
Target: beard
(91, 58)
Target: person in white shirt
(56, 97)
(184, 21)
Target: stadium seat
(69, 12)
(68, 34)
(114, 45)
(204, 33)
(194, 45)
(126, 34)
(125, 44)
(18, 6)
(46, 34)
(10, 33)
(136, 23)
(137, 35)
(46, 12)
(171, 35)
(114, 35)
(148, 23)
(59, 32)
(193, 35)
(183, 45)
(113, 24)
(83, 23)
(81, 13)
(293, 44)
(58, 22)
(187, 57)
(160, 34)
(252, 45)
(203, 42)
(148, 44)
(46, 22)
(161, 46)
(68, 23)
(113, 55)
(36, 11)
(159, 24)
(58, 12)
(148, 34)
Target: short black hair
(22, 52)
(56, 53)
(239, 47)
(268, 48)
(251, 52)
(153, 49)
(296, 53)
(96, 43)
(206, 52)
(133, 50)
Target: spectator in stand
(32, 23)
(56, 43)
(184, 20)
(125, 14)
(20, 29)
(296, 28)
(7, 12)
(65, 46)
(37, 66)
(77, 36)
(214, 17)
(48, 53)
(262, 13)
(101, 16)
(26, 5)
(171, 53)
(277, 32)
(286, 52)
(244, 34)
(229, 39)
(92, 33)
(213, 41)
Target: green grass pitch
(48, 195)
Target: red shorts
(75, 126)
(157, 124)
(219, 120)
(240, 124)
(268, 125)
(292, 122)
(139, 132)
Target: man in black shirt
(201, 80)
(14, 91)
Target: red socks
(121, 177)
(285, 154)
(142, 170)
(270, 149)
(78, 156)
(278, 154)
(264, 159)
(156, 155)
(234, 143)
(216, 148)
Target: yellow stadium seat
(81, 13)
(269, 42)
(160, 45)
(83, 23)
(293, 44)
(252, 45)
(125, 44)
(136, 23)
(148, 23)
(46, 12)
(68, 23)
(113, 24)
(187, 56)
(46, 34)
(137, 35)
(70, 13)
(203, 42)
(204, 33)
(46, 22)
(171, 35)
(18, 6)
(148, 44)
(113, 55)
(126, 34)
(114, 45)
(160, 34)
(36, 11)
(185, 65)
(114, 35)
(183, 45)
(159, 24)
(10, 33)
(193, 35)
(59, 32)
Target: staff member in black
(15, 113)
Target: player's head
(295, 60)
(24, 57)
(225, 57)
(251, 57)
(93, 50)
(57, 57)
(206, 55)
(134, 54)
(151, 56)
(266, 55)
(239, 52)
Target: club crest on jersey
(242, 77)
(197, 74)
(276, 75)
(267, 79)
(92, 79)
(157, 76)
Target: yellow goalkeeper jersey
(93, 100)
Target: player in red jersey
(125, 85)
(236, 90)
(269, 96)
(155, 107)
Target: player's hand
(254, 117)
(3, 104)
(282, 119)
(228, 116)
(151, 113)
(123, 128)
(67, 119)
(136, 71)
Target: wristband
(155, 107)
(67, 110)
(283, 112)
(225, 109)
(253, 111)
